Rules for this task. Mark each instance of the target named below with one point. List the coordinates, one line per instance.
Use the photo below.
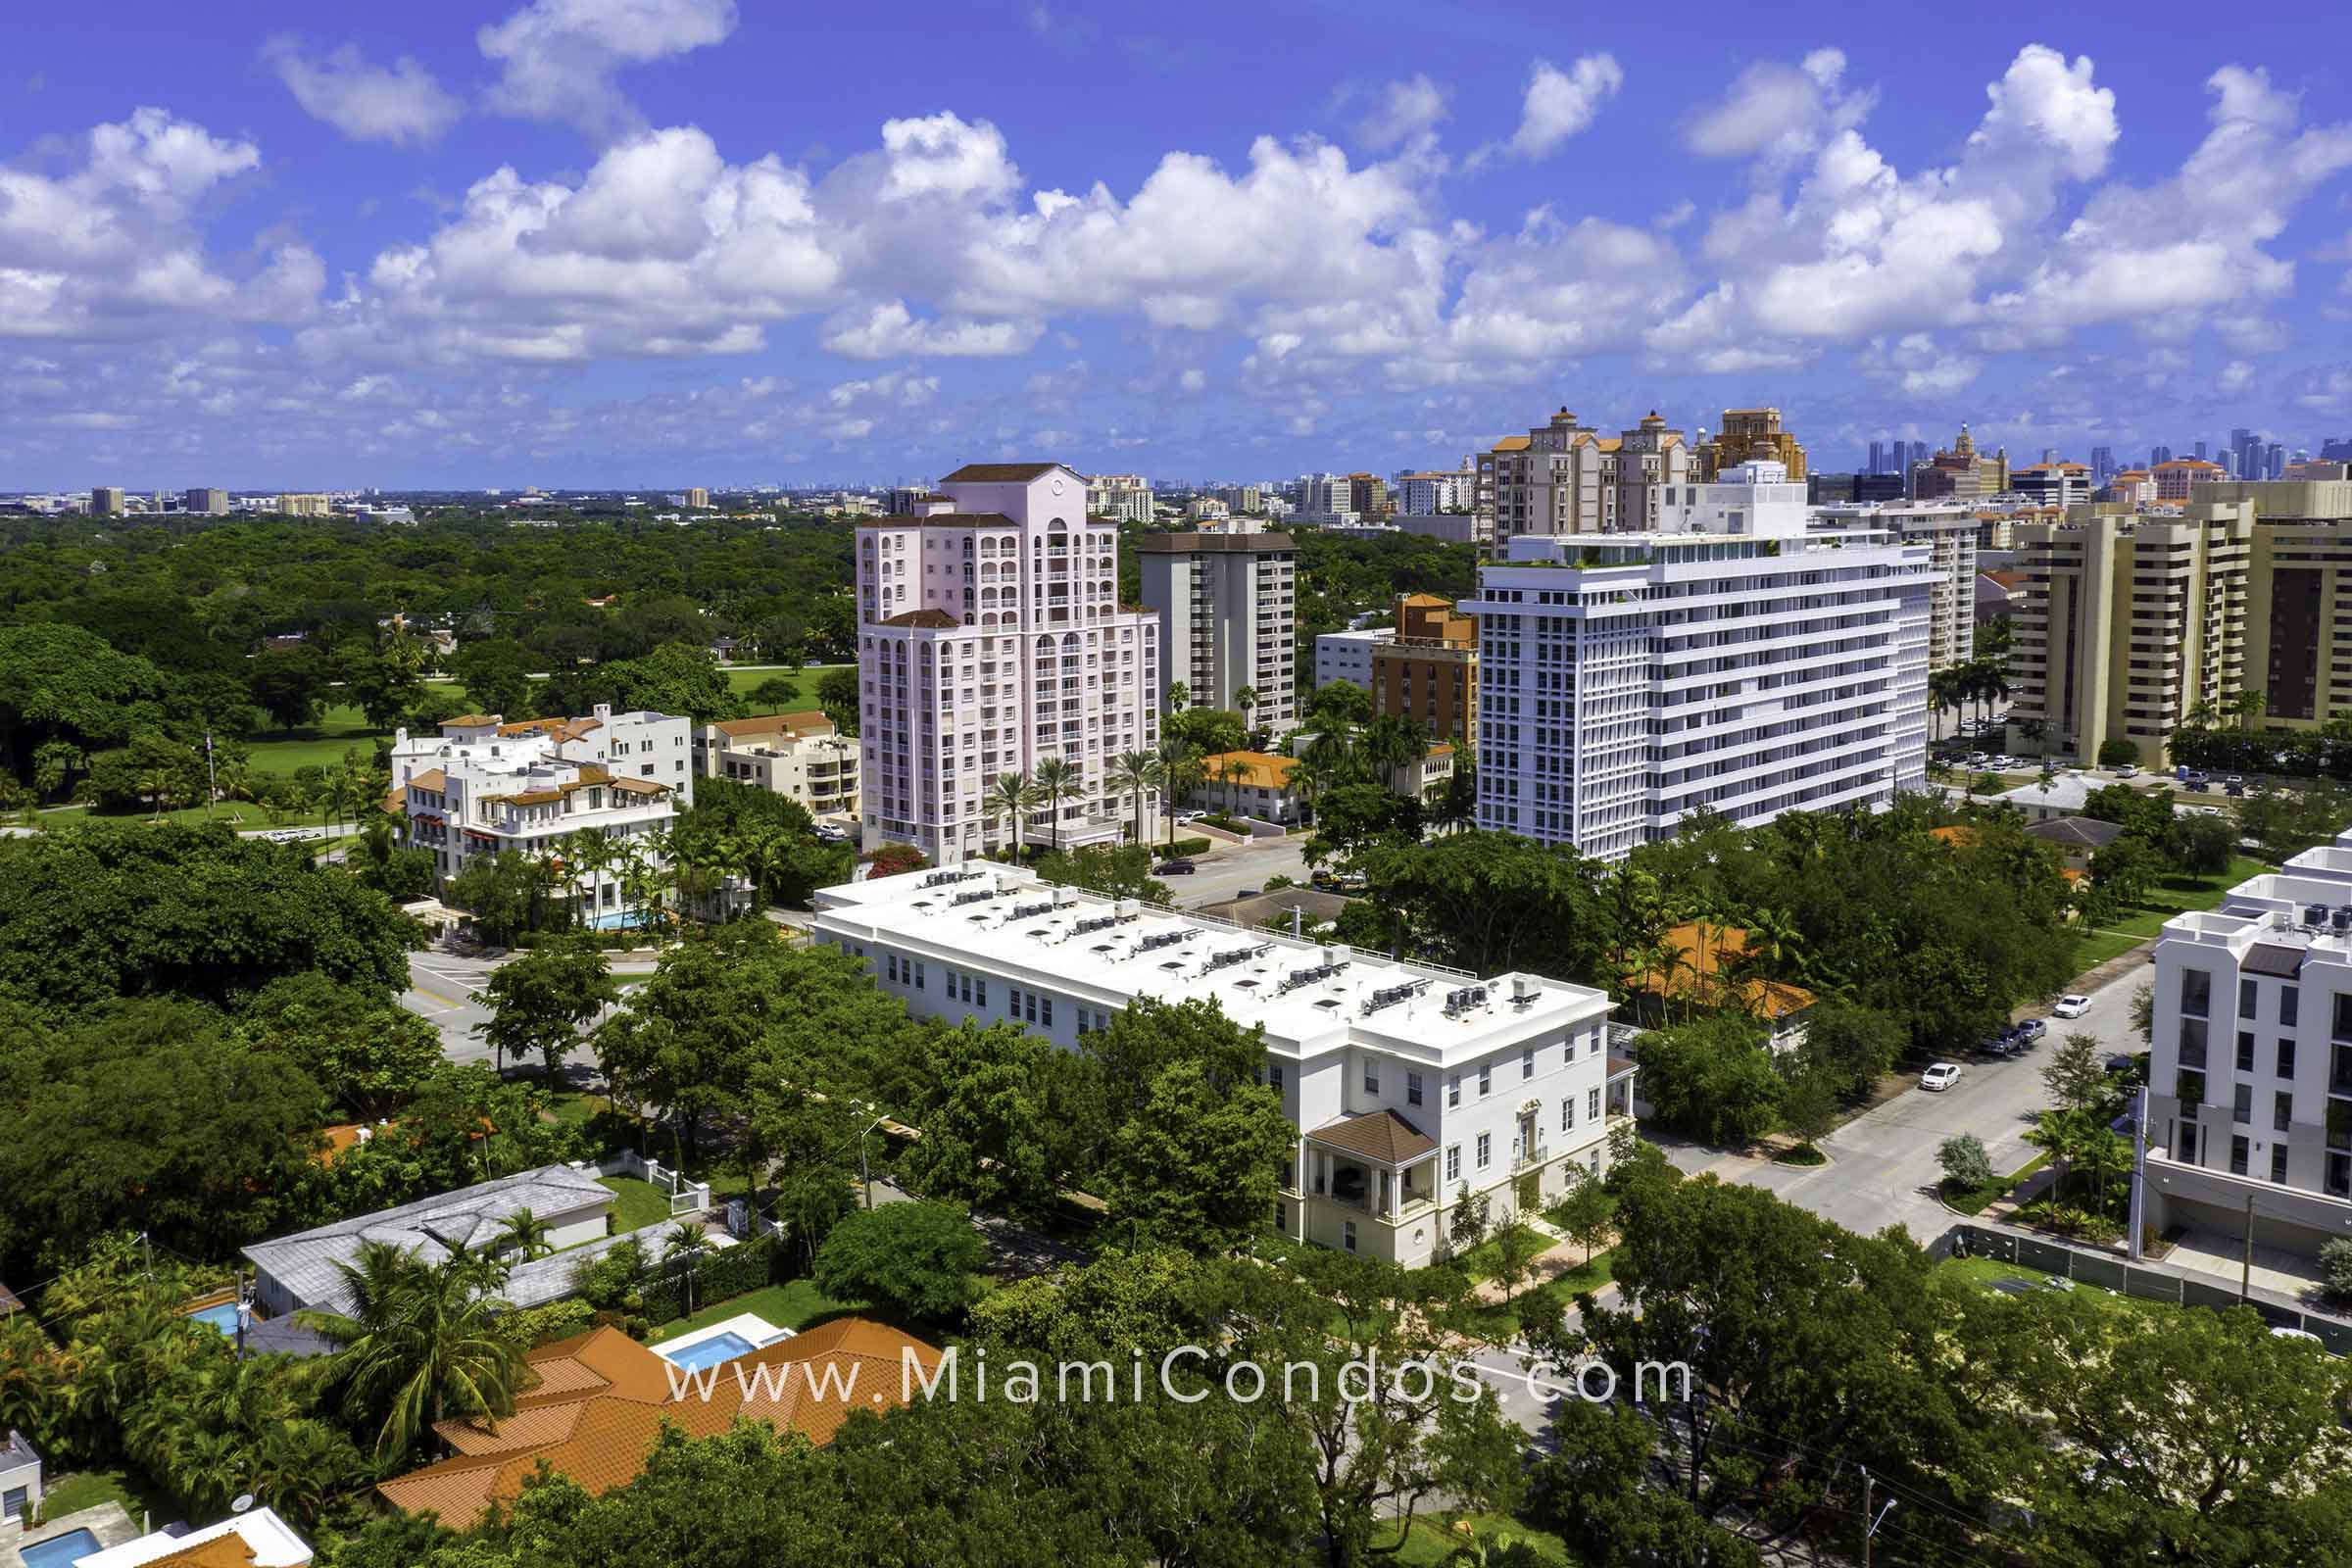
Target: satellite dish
(244, 1501)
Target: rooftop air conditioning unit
(1526, 988)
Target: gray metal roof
(16, 1451)
(431, 1227)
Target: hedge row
(729, 1271)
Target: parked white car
(2072, 1006)
(1938, 1078)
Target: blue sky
(660, 242)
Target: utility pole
(212, 780)
(1870, 1524)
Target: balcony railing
(1521, 1157)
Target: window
(892, 967)
(1047, 1006)
(918, 974)
(1485, 1150)
(1029, 1005)
(1592, 1104)
(1567, 1114)
(2282, 1111)
(2245, 1050)
(2248, 999)
(2286, 1058)
(15, 1502)
(2189, 1142)
(2290, 1006)
(1371, 1076)
(1486, 1081)
(2338, 1180)
(2339, 1069)
(2196, 993)
(1453, 1162)
(1527, 1062)
(1282, 1217)
(1347, 1234)
(1412, 1088)
(2279, 1163)
(2192, 1043)
(2241, 1104)
(2343, 1015)
(2238, 1150)
(1453, 1089)
(1274, 1076)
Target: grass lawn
(95, 1489)
(794, 1304)
(323, 745)
(1546, 1303)
(804, 683)
(639, 1204)
(2172, 894)
(1986, 1271)
(1430, 1543)
(1976, 1200)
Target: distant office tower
(2273, 460)
(212, 503)
(2049, 454)
(1732, 662)
(2158, 454)
(991, 641)
(697, 497)
(1227, 618)
(108, 501)
(2102, 465)
(1877, 457)
(1918, 452)
(2199, 452)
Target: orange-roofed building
(597, 1401)
(802, 755)
(1706, 973)
(1253, 783)
(2177, 476)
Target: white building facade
(1348, 655)
(1121, 497)
(803, 756)
(1730, 661)
(990, 640)
(1407, 1082)
(2250, 1070)
(1949, 532)
(1228, 608)
(485, 787)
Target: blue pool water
(222, 1317)
(621, 919)
(709, 1352)
(59, 1551)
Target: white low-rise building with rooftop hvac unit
(1407, 1081)
(2250, 1071)
(1728, 659)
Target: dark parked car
(1174, 869)
(2198, 786)
(2237, 791)
(2031, 1030)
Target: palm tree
(686, 1244)
(1136, 773)
(1246, 699)
(1391, 743)
(421, 1342)
(1179, 771)
(1058, 779)
(1009, 797)
(1180, 697)
(1774, 941)
(586, 855)
(1331, 744)
(526, 1233)
(2249, 707)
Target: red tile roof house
(600, 1400)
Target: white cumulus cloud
(559, 57)
(396, 103)
(1558, 104)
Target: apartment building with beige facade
(1949, 531)
(1428, 671)
(1566, 477)
(803, 756)
(2130, 623)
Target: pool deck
(108, 1522)
(748, 1326)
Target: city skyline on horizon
(589, 240)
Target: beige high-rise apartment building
(2298, 596)
(697, 497)
(1228, 608)
(306, 506)
(2131, 621)
(1949, 531)
(1566, 477)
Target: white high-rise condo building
(1124, 497)
(1729, 659)
(990, 642)
(2249, 1108)
(1949, 531)
(1408, 1082)
(1228, 607)
(484, 786)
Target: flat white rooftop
(1305, 995)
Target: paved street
(444, 989)
(1226, 872)
(1883, 1168)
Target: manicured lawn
(323, 745)
(1978, 1199)
(1431, 1544)
(1546, 1303)
(2171, 896)
(95, 1489)
(794, 1304)
(639, 1204)
(243, 815)
(1986, 1271)
(804, 683)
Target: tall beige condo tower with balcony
(1566, 477)
(2131, 622)
(1227, 618)
(991, 641)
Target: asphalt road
(444, 990)
(1225, 873)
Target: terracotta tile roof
(432, 778)
(1379, 1135)
(935, 619)
(1512, 443)
(601, 1399)
(1001, 473)
(221, 1552)
(469, 721)
(1262, 769)
(773, 724)
(640, 785)
(1959, 836)
(532, 726)
(1769, 1000)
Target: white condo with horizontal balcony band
(1407, 1081)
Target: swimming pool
(222, 1317)
(621, 921)
(709, 1352)
(59, 1551)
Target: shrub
(2118, 753)
(1965, 1163)
(545, 1324)
(1193, 845)
(2335, 1266)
